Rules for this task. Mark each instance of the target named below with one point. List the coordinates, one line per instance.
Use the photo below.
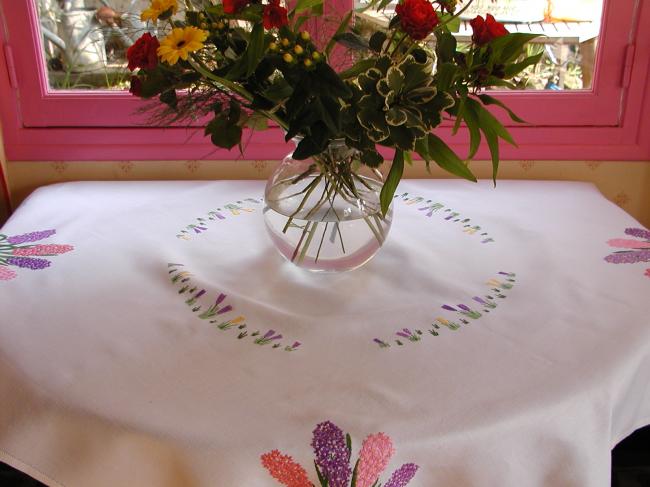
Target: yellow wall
(625, 183)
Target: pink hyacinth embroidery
(6, 274)
(373, 458)
(625, 243)
(52, 249)
(285, 470)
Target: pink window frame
(605, 123)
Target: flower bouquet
(245, 63)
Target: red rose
(234, 6)
(274, 15)
(143, 54)
(486, 30)
(417, 18)
(136, 86)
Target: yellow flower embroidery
(157, 8)
(180, 43)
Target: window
(88, 117)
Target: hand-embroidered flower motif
(333, 449)
(16, 251)
(332, 454)
(285, 470)
(635, 250)
(373, 459)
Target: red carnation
(234, 6)
(143, 53)
(274, 15)
(486, 30)
(136, 86)
(417, 18)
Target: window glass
(85, 41)
(570, 30)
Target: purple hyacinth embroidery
(638, 232)
(30, 237)
(29, 263)
(403, 475)
(631, 257)
(332, 454)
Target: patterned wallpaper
(625, 183)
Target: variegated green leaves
(398, 103)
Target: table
(166, 343)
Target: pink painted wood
(606, 122)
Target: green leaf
(492, 130)
(169, 98)
(255, 49)
(355, 472)
(396, 116)
(488, 100)
(352, 41)
(321, 479)
(516, 68)
(392, 180)
(445, 75)
(223, 133)
(507, 48)
(471, 120)
(446, 47)
(377, 41)
(348, 443)
(358, 68)
(371, 158)
(486, 119)
(342, 26)
(302, 5)
(433, 148)
(395, 79)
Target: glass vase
(323, 213)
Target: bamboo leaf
(489, 100)
(441, 154)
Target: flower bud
(308, 63)
(273, 46)
(285, 42)
(288, 58)
(304, 35)
(316, 56)
(298, 50)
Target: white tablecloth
(491, 338)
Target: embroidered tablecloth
(150, 335)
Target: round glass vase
(323, 213)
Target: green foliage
(394, 95)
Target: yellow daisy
(180, 43)
(157, 8)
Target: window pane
(85, 41)
(570, 29)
